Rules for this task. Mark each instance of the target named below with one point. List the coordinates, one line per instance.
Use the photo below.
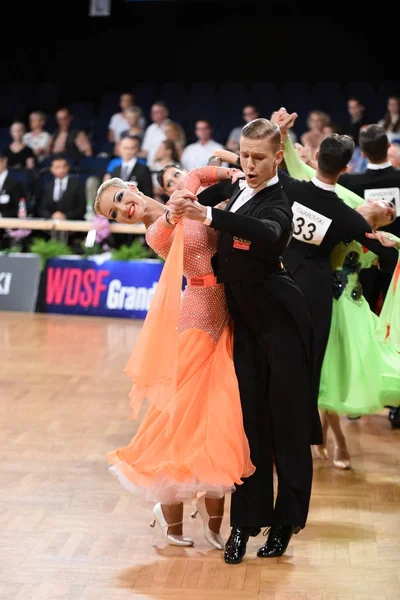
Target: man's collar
(243, 184)
(324, 186)
(376, 167)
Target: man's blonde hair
(113, 182)
(260, 129)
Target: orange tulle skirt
(201, 446)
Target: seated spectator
(155, 133)
(19, 155)
(249, 113)
(10, 195)
(68, 140)
(174, 132)
(130, 168)
(37, 138)
(312, 138)
(133, 115)
(197, 154)
(64, 197)
(355, 120)
(165, 155)
(394, 154)
(119, 121)
(114, 162)
(391, 121)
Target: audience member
(119, 121)
(174, 132)
(394, 154)
(10, 190)
(19, 155)
(197, 154)
(249, 112)
(133, 115)
(64, 197)
(155, 132)
(391, 121)
(165, 155)
(37, 138)
(312, 138)
(130, 168)
(67, 139)
(355, 120)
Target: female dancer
(191, 442)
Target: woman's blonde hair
(113, 182)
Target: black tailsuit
(309, 264)
(272, 354)
(375, 281)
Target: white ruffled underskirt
(168, 491)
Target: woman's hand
(236, 174)
(384, 238)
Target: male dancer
(272, 342)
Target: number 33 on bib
(309, 226)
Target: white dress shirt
(60, 185)
(376, 167)
(197, 154)
(153, 136)
(246, 194)
(126, 168)
(3, 177)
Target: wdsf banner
(109, 289)
(19, 282)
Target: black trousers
(275, 421)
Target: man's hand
(236, 174)
(58, 215)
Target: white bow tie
(242, 184)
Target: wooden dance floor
(68, 531)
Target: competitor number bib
(309, 226)
(391, 195)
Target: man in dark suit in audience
(64, 197)
(132, 170)
(11, 192)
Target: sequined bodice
(200, 245)
(202, 308)
(347, 262)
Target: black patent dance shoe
(278, 540)
(394, 417)
(235, 547)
